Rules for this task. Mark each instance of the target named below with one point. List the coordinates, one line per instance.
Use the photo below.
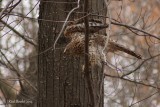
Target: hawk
(97, 41)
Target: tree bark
(61, 80)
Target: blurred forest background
(128, 82)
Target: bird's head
(79, 26)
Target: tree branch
(7, 7)
(17, 72)
(132, 81)
(16, 32)
(86, 54)
(4, 9)
(134, 28)
(140, 65)
(115, 22)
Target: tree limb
(20, 35)
(86, 55)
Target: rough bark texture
(61, 81)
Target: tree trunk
(61, 81)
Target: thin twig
(17, 72)
(132, 81)
(69, 14)
(16, 32)
(108, 33)
(65, 22)
(10, 8)
(134, 28)
(140, 65)
(4, 9)
(144, 99)
(129, 26)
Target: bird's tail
(118, 47)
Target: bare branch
(108, 33)
(17, 72)
(134, 28)
(144, 99)
(4, 9)
(20, 35)
(132, 81)
(115, 22)
(140, 65)
(86, 53)
(54, 45)
(10, 8)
